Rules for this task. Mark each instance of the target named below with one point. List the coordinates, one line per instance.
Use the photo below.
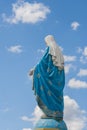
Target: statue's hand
(31, 72)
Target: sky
(23, 27)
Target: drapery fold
(48, 85)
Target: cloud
(26, 12)
(83, 52)
(73, 83)
(79, 50)
(26, 129)
(68, 67)
(25, 118)
(83, 59)
(75, 25)
(82, 72)
(74, 117)
(69, 58)
(35, 116)
(15, 49)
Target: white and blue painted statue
(48, 85)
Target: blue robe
(48, 85)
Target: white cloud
(75, 25)
(25, 118)
(73, 83)
(26, 12)
(68, 67)
(26, 129)
(35, 116)
(74, 117)
(69, 58)
(15, 49)
(85, 51)
(79, 50)
(82, 72)
(83, 59)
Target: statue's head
(49, 39)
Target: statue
(49, 81)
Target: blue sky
(23, 27)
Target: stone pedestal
(50, 124)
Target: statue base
(50, 124)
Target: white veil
(57, 56)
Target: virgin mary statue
(49, 80)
